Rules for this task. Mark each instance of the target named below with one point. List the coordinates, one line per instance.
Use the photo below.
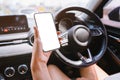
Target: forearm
(40, 72)
(89, 73)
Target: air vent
(31, 39)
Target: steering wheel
(83, 37)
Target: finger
(36, 33)
(37, 39)
(58, 32)
(37, 47)
(48, 53)
(59, 38)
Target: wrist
(38, 66)
(41, 72)
(42, 63)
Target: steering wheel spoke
(82, 58)
(63, 39)
(86, 59)
(96, 32)
(90, 57)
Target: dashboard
(13, 24)
(15, 47)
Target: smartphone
(47, 31)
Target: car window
(29, 6)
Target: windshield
(30, 6)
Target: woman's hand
(38, 54)
(39, 59)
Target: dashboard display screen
(13, 24)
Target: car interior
(89, 29)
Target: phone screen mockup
(47, 31)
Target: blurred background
(29, 7)
(8, 7)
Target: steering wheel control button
(22, 69)
(9, 72)
(96, 32)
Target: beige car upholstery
(107, 9)
(114, 77)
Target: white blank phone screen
(47, 31)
